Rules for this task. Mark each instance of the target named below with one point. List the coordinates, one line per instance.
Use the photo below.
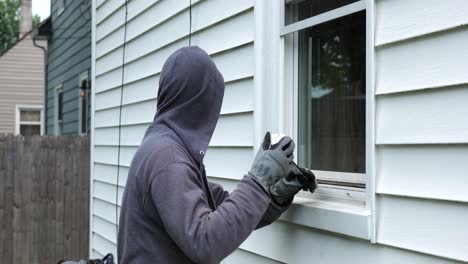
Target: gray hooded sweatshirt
(170, 212)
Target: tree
(9, 23)
(36, 20)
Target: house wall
(69, 56)
(420, 119)
(21, 80)
(421, 123)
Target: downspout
(46, 67)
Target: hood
(190, 95)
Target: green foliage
(9, 23)
(36, 20)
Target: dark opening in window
(60, 105)
(332, 95)
(84, 107)
(30, 130)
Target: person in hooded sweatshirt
(170, 212)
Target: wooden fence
(44, 199)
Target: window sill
(343, 217)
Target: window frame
(58, 124)
(328, 196)
(334, 178)
(18, 122)
(83, 76)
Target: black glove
(286, 187)
(272, 161)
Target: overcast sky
(41, 7)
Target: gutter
(46, 67)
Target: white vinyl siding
(421, 124)
(288, 243)
(421, 144)
(155, 29)
(405, 171)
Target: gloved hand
(272, 161)
(286, 187)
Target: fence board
(44, 199)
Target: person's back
(142, 230)
(170, 212)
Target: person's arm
(219, 194)
(272, 214)
(204, 235)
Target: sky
(41, 7)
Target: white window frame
(83, 76)
(290, 33)
(342, 209)
(18, 121)
(341, 193)
(61, 7)
(57, 123)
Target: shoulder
(163, 151)
(154, 156)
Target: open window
(325, 79)
(29, 120)
(83, 103)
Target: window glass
(30, 130)
(60, 105)
(297, 10)
(84, 112)
(331, 97)
(30, 116)
(84, 103)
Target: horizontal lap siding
(417, 18)
(421, 124)
(69, 55)
(288, 243)
(430, 226)
(407, 170)
(21, 80)
(433, 116)
(432, 61)
(156, 29)
(244, 256)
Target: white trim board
(324, 17)
(91, 136)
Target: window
(58, 124)
(298, 10)
(29, 120)
(325, 41)
(60, 6)
(83, 103)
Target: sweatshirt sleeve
(204, 235)
(272, 214)
(218, 192)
